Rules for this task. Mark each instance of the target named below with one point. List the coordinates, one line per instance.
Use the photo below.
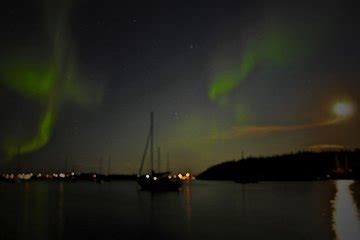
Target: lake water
(202, 210)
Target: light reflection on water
(187, 193)
(346, 222)
(60, 206)
(203, 209)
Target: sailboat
(161, 181)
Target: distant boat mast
(109, 165)
(100, 166)
(151, 139)
(18, 160)
(158, 160)
(167, 162)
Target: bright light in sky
(343, 109)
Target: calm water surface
(202, 210)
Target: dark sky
(78, 80)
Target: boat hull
(159, 185)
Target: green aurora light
(40, 139)
(276, 48)
(49, 84)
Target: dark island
(301, 166)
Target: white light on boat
(62, 175)
(27, 176)
(147, 176)
(155, 178)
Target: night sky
(78, 80)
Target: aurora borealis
(50, 84)
(275, 48)
(79, 78)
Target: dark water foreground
(202, 210)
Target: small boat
(245, 176)
(247, 179)
(159, 182)
(156, 181)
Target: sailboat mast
(167, 163)
(109, 163)
(18, 165)
(152, 140)
(100, 166)
(159, 160)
